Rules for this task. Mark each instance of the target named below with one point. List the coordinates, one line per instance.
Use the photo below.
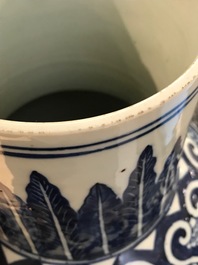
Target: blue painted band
(174, 112)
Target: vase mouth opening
(106, 46)
(158, 100)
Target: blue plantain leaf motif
(141, 200)
(168, 177)
(17, 222)
(100, 222)
(47, 226)
(56, 220)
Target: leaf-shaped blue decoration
(100, 222)
(56, 220)
(140, 199)
(169, 176)
(47, 226)
(17, 222)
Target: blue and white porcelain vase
(87, 191)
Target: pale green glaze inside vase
(120, 47)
